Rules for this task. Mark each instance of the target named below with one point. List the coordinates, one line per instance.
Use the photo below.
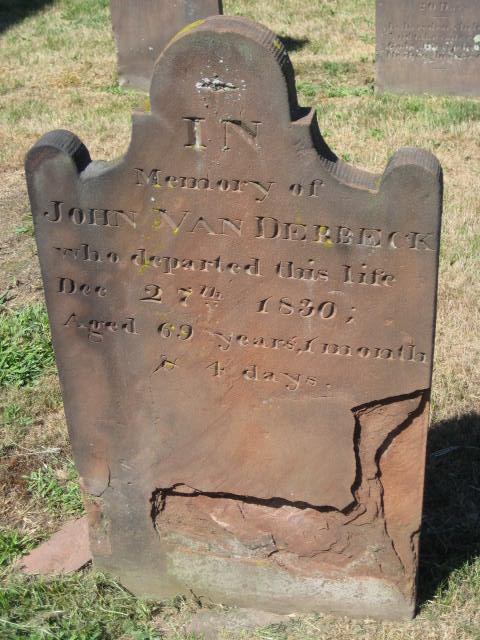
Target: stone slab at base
(68, 550)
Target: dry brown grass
(35, 436)
(58, 70)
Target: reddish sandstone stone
(66, 551)
(243, 326)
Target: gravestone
(244, 328)
(428, 46)
(143, 28)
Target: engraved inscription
(112, 218)
(261, 228)
(182, 331)
(96, 329)
(216, 369)
(85, 253)
(211, 292)
(374, 277)
(432, 31)
(270, 228)
(169, 265)
(165, 364)
(153, 293)
(408, 352)
(194, 133)
(297, 345)
(293, 271)
(197, 138)
(290, 381)
(162, 180)
(311, 191)
(69, 286)
(304, 308)
(186, 222)
(243, 130)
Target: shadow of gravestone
(451, 515)
(18, 10)
(293, 44)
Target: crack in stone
(383, 448)
(367, 488)
(160, 495)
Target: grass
(13, 545)
(86, 606)
(58, 489)
(26, 351)
(58, 70)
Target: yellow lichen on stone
(186, 29)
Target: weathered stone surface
(428, 46)
(66, 551)
(244, 327)
(143, 28)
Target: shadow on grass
(13, 11)
(291, 44)
(451, 514)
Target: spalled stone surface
(66, 551)
(243, 326)
(428, 46)
(143, 28)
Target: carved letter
(143, 180)
(194, 128)
(264, 190)
(249, 134)
(56, 214)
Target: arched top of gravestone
(247, 67)
(239, 72)
(234, 57)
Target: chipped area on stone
(428, 46)
(243, 326)
(65, 552)
(215, 84)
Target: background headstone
(244, 329)
(428, 46)
(143, 28)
